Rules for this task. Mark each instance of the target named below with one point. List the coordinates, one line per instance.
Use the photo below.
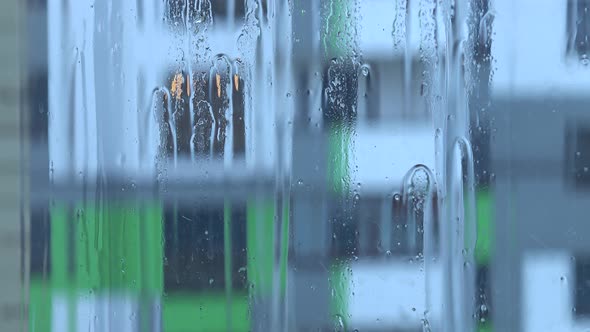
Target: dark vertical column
(481, 128)
(238, 123)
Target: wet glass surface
(326, 165)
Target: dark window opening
(194, 247)
(582, 287)
(578, 157)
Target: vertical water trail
(269, 56)
(408, 59)
(148, 70)
(77, 105)
(89, 97)
(72, 138)
(274, 55)
(173, 118)
(127, 73)
(255, 44)
(418, 195)
(176, 19)
(231, 14)
(341, 61)
(220, 99)
(281, 25)
(160, 111)
(228, 157)
(462, 233)
(99, 42)
(173, 133)
(431, 90)
(364, 92)
(269, 88)
(263, 98)
(204, 131)
(190, 33)
(228, 150)
(200, 21)
(458, 279)
(417, 187)
(398, 32)
(246, 43)
(461, 127)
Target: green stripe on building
(484, 244)
(260, 244)
(340, 274)
(97, 249)
(338, 176)
(110, 251)
(205, 313)
(59, 247)
(40, 296)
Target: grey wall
(10, 78)
(538, 204)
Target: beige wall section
(11, 289)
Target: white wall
(528, 50)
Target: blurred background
(320, 165)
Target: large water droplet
(365, 70)
(486, 29)
(339, 324)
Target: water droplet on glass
(339, 323)
(484, 309)
(486, 28)
(365, 70)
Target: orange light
(218, 80)
(188, 85)
(176, 86)
(237, 82)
